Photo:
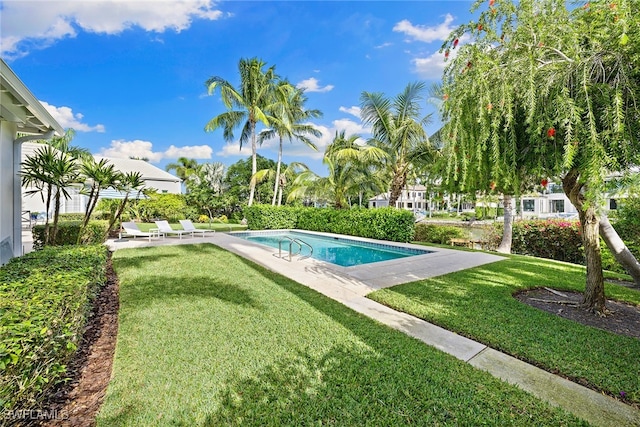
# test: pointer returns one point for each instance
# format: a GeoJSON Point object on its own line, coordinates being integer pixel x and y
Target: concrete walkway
{"type": "Point", "coordinates": [349, 285]}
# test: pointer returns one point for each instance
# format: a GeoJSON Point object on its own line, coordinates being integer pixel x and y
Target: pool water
{"type": "Point", "coordinates": [339, 251]}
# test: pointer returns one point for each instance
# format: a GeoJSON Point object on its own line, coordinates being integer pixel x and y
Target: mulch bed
{"type": "Point", "coordinates": [77, 403]}
{"type": "Point", "coordinates": [623, 319]}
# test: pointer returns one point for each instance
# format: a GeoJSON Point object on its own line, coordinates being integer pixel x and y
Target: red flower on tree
{"type": "Point", "coordinates": [446, 53]}
{"type": "Point", "coordinates": [544, 182]}
{"type": "Point", "coordinates": [480, 27]}
{"type": "Point", "coordinates": [445, 96]}
{"type": "Point", "coordinates": [492, 2]}
{"type": "Point", "coordinates": [492, 185]}
{"type": "Point", "coordinates": [551, 132]}
{"type": "Point", "coordinates": [455, 43]}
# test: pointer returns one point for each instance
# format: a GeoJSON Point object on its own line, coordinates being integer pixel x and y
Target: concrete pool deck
{"type": "Point", "coordinates": [350, 285]}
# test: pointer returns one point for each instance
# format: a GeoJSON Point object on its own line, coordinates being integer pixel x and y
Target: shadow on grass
{"type": "Point", "coordinates": [400, 384]}
{"type": "Point", "coordinates": [146, 290]}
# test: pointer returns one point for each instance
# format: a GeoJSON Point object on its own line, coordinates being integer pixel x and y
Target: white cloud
{"type": "Point", "coordinates": [311, 85]}
{"type": "Point", "coordinates": [233, 150]}
{"type": "Point", "coordinates": [423, 33]}
{"type": "Point", "coordinates": [144, 149]}
{"type": "Point", "coordinates": [38, 24]}
{"type": "Point", "coordinates": [432, 67]}
{"type": "Point", "coordinates": [189, 151]}
{"type": "Point", "coordinates": [353, 110]}
{"type": "Point", "coordinates": [67, 119]}
{"type": "Point", "coordinates": [383, 45]}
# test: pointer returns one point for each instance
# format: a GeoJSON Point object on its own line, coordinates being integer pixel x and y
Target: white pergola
{"type": "Point", "coordinates": [20, 112]}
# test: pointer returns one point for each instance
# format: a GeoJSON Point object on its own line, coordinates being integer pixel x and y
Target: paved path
{"type": "Point", "coordinates": [350, 285]}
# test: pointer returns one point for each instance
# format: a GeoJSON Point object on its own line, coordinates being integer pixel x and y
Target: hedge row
{"type": "Point", "coordinates": [67, 234]}
{"type": "Point", "coordinates": [45, 298]}
{"type": "Point", "coordinates": [381, 223]}
{"type": "Point", "coordinates": [551, 238]}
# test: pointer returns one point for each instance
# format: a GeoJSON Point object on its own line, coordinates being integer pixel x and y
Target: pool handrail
{"type": "Point", "coordinates": [297, 241]}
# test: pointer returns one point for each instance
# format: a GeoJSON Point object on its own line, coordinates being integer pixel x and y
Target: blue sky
{"type": "Point", "coordinates": [129, 76]}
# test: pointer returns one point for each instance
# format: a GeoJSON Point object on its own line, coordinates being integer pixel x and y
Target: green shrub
{"type": "Point", "coordinates": [68, 233]}
{"type": "Point", "coordinates": [171, 207]}
{"type": "Point", "coordinates": [381, 223]}
{"type": "Point", "coordinates": [432, 233]}
{"type": "Point", "coordinates": [71, 217]}
{"type": "Point", "coordinates": [551, 238]}
{"type": "Point", "coordinates": [45, 298]}
{"type": "Point", "coordinates": [482, 212]}
{"type": "Point", "coordinates": [267, 217]}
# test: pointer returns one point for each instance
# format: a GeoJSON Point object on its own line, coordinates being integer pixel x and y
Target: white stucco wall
{"type": "Point", "coordinates": [10, 241]}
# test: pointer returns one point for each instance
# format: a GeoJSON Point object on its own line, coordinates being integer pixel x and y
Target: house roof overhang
{"type": "Point", "coordinates": [18, 105]}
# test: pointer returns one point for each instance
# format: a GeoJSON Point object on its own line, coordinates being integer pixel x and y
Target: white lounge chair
{"type": "Point", "coordinates": [188, 226]}
{"type": "Point", "coordinates": [130, 229]}
{"type": "Point", "coordinates": [165, 229]}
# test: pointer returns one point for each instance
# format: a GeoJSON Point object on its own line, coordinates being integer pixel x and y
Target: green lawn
{"type": "Point", "coordinates": [478, 304]}
{"type": "Point", "coordinates": [207, 338]}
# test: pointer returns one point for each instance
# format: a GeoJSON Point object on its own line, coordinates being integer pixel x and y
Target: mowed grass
{"type": "Point", "coordinates": [478, 303]}
{"type": "Point", "coordinates": [207, 338]}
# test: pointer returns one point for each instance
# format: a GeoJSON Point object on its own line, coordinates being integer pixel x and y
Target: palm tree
{"type": "Point", "coordinates": [350, 167]}
{"type": "Point", "coordinates": [126, 183]}
{"type": "Point", "coordinates": [398, 130]}
{"type": "Point", "coordinates": [184, 167]}
{"type": "Point", "coordinates": [51, 172]}
{"type": "Point", "coordinates": [286, 115]}
{"type": "Point", "coordinates": [99, 175]}
{"type": "Point", "coordinates": [290, 173]}
{"type": "Point", "coordinates": [245, 105]}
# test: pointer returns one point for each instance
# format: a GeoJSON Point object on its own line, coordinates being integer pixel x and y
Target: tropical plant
{"type": "Point", "coordinates": [51, 171]}
{"type": "Point", "coordinates": [98, 175]}
{"type": "Point", "coordinates": [126, 183]}
{"type": "Point", "coordinates": [397, 130]}
{"type": "Point", "coordinates": [246, 105]}
{"type": "Point", "coordinates": [184, 168]}
{"type": "Point", "coordinates": [568, 79]}
{"type": "Point", "coordinates": [286, 115]}
{"type": "Point", "coordinates": [350, 172]}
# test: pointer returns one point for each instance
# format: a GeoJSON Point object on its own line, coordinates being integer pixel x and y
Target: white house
{"type": "Point", "coordinates": [153, 177]}
{"type": "Point", "coordinates": [20, 112]}
{"type": "Point", "coordinates": [551, 203]}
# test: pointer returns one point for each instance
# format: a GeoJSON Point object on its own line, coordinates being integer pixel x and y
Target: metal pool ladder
{"type": "Point", "coordinates": [298, 242]}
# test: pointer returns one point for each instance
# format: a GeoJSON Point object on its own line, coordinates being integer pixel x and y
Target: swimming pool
{"type": "Point", "coordinates": [336, 250]}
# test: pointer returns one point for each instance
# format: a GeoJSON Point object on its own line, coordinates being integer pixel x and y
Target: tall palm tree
{"type": "Point", "coordinates": [398, 130]}
{"type": "Point", "coordinates": [246, 105]}
{"type": "Point", "coordinates": [286, 115]}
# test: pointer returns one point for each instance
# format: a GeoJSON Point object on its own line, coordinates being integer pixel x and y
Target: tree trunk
{"type": "Point", "coordinates": [619, 249]}
{"type": "Point", "coordinates": [275, 185]}
{"type": "Point", "coordinates": [254, 164]}
{"type": "Point", "coordinates": [505, 244]}
{"type": "Point", "coordinates": [397, 185]}
{"type": "Point", "coordinates": [593, 299]}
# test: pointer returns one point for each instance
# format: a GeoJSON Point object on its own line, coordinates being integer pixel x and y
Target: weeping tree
{"type": "Point", "coordinates": [566, 76]}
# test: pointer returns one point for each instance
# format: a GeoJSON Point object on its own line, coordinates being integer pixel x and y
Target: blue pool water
{"type": "Point", "coordinates": [340, 251]}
